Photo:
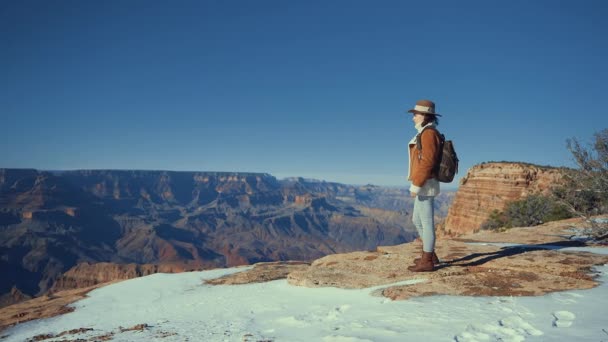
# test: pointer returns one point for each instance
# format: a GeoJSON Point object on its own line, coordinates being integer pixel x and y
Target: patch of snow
{"type": "Point", "coordinates": [563, 319]}
{"type": "Point", "coordinates": [179, 307]}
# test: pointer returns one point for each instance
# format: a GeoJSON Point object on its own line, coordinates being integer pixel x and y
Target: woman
{"type": "Point", "coordinates": [424, 151]}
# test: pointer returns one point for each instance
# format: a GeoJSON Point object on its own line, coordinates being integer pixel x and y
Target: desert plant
{"type": "Point", "coordinates": [529, 211]}
{"type": "Point", "coordinates": [496, 221]}
{"type": "Point", "coordinates": [585, 189]}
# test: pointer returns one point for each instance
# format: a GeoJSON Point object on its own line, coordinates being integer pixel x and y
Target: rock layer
{"type": "Point", "coordinates": [86, 274]}
{"type": "Point", "coordinates": [14, 296]}
{"type": "Point", "coordinates": [42, 307]}
{"type": "Point", "coordinates": [490, 186]}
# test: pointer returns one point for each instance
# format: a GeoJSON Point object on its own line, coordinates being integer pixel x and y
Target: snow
{"type": "Point", "coordinates": [179, 307]}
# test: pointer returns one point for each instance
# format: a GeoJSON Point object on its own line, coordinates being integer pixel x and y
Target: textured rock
{"type": "Point", "coordinates": [491, 186]}
{"type": "Point", "coordinates": [536, 267]}
{"type": "Point", "coordinates": [466, 269]}
{"type": "Point", "coordinates": [14, 296]}
{"type": "Point", "coordinates": [86, 274]}
{"type": "Point", "coordinates": [42, 307]}
{"type": "Point", "coordinates": [261, 272]}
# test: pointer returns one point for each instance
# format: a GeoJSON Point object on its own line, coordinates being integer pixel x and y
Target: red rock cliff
{"type": "Point", "coordinates": [491, 186]}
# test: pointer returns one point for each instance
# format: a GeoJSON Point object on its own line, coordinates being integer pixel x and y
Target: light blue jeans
{"type": "Point", "coordinates": [424, 220]}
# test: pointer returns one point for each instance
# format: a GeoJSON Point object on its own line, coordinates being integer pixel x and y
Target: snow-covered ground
{"type": "Point", "coordinates": [178, 307]}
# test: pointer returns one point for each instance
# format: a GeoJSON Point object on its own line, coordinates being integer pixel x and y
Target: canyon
{"type": "Point", "coordinates": [63, 234]}
{"type": "Point", "coordinates": [70, 229]}
{"type": "Point", "coordinates": [73, 229]}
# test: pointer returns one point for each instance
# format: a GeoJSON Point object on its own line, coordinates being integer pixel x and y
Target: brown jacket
{"type": "Point", "coordinates": [423, 161]}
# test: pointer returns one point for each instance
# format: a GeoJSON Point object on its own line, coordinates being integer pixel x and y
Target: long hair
{"type": "Point", "coordinates": [428, 118]}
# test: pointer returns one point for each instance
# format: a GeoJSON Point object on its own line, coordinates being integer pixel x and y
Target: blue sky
{"type": "Point", "coordinates": [296, 88]}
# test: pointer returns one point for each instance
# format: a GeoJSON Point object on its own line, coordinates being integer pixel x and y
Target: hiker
{"type": "Point", "coordinates": [424, 184]}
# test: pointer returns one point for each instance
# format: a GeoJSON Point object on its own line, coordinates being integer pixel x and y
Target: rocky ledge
{"type": "Point", "coordinates": [42, 307]}
{"type": "Point", "coordinates": [539, 263]}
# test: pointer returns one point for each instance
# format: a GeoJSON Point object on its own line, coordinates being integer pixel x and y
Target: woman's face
{"type": "Point", "coordinates": [418, 118]}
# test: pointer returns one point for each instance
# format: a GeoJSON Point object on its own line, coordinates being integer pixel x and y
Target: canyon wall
{"type": "Point", "coordinates": [103, 225]}
{"type": "Point", "coordinates": [491, 186]}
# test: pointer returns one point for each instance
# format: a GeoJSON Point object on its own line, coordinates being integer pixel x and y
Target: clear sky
{"type": "Point", "coordinates": [309, 88]}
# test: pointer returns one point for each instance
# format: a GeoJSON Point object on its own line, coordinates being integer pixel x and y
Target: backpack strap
{"type": "Point", "coordinates": [418, 137]}
{"type": "Point", "coordinates": [419, 145]}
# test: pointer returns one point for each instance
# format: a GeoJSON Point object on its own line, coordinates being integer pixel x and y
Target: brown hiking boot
{"type": "Point", "coordinates": [425, 264]}
{"type": "Point", "coordinates": [435, 259]}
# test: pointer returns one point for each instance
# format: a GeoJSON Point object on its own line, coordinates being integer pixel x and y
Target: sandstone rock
{"type": "Point", "coordinates": [466, 269]}
{"type": "Point", "coordinates": [561, 231]}
{"type": "Point", "coordinates": [12, 297]}
{"type": "Point", "coordinates": [42, 307]}
{"type": "Point", "coordinates": [491, 186]}
{"type": "Point", "coordinates": [384, 266]}
{"type": "Point", "coordinates": [86, 274]}
{"type": "Point", "coordinates": [261, 272]}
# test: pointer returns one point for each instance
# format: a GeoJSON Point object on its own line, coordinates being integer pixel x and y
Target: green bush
{"type": "Point", "coordinates": [530, 211]}
{"type": "Point", "coordinates": [496, 221]}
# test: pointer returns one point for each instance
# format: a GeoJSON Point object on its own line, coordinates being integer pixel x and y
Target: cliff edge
{"type": "Point", "coordinates": [490, 186]}
{"type": "Point", "coordinates": [528, 261]}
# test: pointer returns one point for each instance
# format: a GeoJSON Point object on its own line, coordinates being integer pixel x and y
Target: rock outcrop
{"type": "Point", "coordinates": [491, 186]}
{"type": "Point", "coordinates": [469, 266]}
{"type": "Point", "coordinates": [86, 274]}
{"type": "Point", "coordinates": [14, 296]}
{"type": "Point", "coordinates": [42, 307]}
{"type": "Point", "coordinates": [261, 272]}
